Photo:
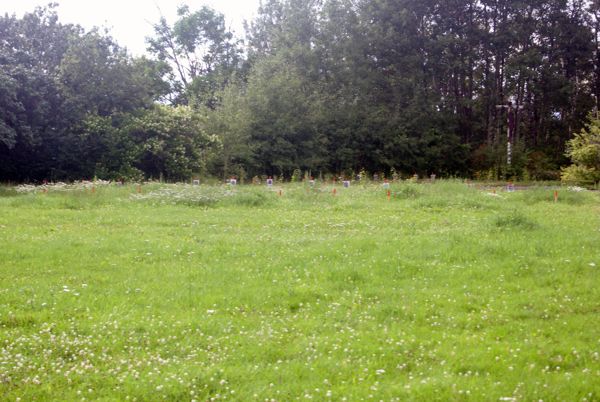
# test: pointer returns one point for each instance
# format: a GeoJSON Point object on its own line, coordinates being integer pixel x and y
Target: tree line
{"type": "Point", "coordinates": [323, 86]}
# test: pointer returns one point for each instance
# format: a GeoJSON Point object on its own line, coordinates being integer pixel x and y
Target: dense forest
{"type": "Point", "coordinates": [322, 86]}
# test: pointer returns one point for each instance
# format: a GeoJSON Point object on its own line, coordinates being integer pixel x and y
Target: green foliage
{"type": "Point", "coordinates": [63, 96]}
{"type": "Point", "coordinates": [11, 107]}
{"type": "Point", "coordinates": [540, 167]}
{"type": "Point", "coordinates": [33, 118]}
{"type": "Point", "coordinates": [584, 151]}
{"type": "Point", "coordinates": [97, 77]}
{"type": "Point", "coordinates": [229, 123]}
{"type": "Point", "coordinates": [328, 86]}
{"type": "Point", "coordinates": [390, 92]}
{"type": "Point", "coordinates": [281, 121]}
{"type": "Point", "coordinates": [110, 151]}
{"type": "Point", "coordinates": [172, 142]}
{"type": "Point", "coordinates": [161, 142]}
{"type": "Point", "coordinates": [203, 55]}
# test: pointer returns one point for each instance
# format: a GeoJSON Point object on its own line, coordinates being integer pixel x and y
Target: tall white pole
{"type": "Point", "coordinates": [508, 146]}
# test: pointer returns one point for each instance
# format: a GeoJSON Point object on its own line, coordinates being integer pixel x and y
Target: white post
{"type": "Point", "coordinates": [508, 151]}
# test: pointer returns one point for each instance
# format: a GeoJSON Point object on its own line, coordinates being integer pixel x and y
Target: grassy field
{"type": "Point", "coordinates": [443, 292]}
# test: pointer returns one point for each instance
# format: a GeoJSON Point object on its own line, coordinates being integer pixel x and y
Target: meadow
{"type": "Point", "coordinates": [444, 291]}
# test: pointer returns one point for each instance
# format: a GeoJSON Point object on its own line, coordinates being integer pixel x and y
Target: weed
{"type": "Point", "coordinates": [515, 220]}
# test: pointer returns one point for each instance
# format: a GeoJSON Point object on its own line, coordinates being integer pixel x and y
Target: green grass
{"type": "Point", "coordinates": [443, 292]}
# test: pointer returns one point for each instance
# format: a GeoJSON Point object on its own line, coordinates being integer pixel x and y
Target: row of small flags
{"type": "Point", "coordinates": [346, 184]}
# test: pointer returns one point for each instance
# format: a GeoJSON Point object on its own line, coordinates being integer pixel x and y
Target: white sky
{"type": "Point", "coordinates": [129, 20]}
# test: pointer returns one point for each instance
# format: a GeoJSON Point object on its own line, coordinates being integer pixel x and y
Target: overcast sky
{"type": "Point", "coordinates": [129, 20]}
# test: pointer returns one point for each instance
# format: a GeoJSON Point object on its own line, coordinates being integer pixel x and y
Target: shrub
{"type": "Point", "coordinates": [584, 151]}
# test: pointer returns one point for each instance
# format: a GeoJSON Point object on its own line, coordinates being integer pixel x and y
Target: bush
{"type": "Point", "coordinates": [540, 167]}
{"type": "Point", "coordinates": [584, 151]}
